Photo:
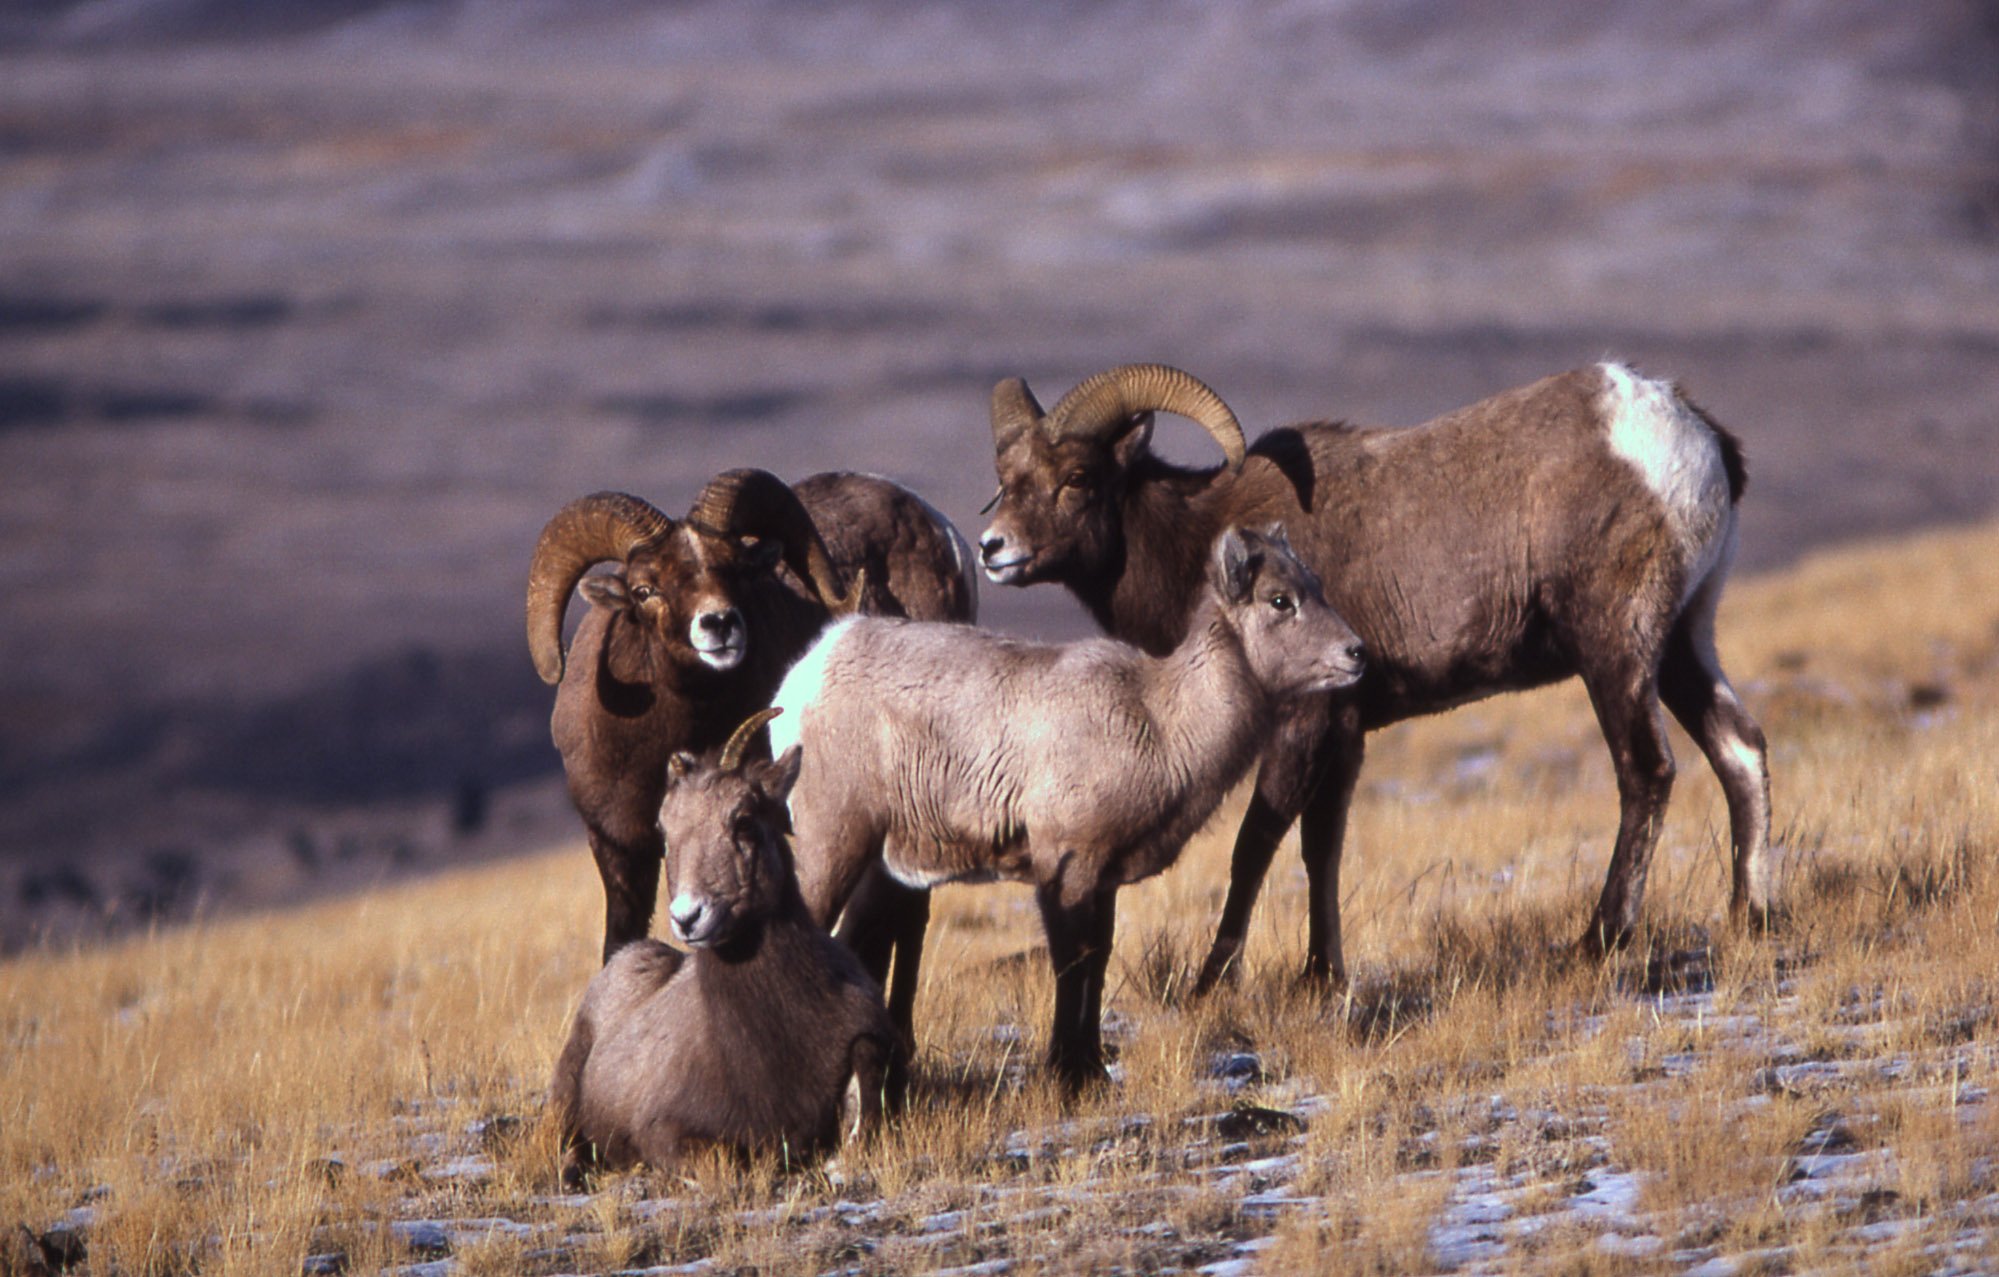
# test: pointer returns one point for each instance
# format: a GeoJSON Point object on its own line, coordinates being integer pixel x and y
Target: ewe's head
{"type": "Point", "coordinates": [728, 858]}
{"type": "Point", "coordinates": [686, 584]}
{"type": "Point", "coordinates": [1062, 473]}
{"type": "Point", "coordinates": [1293, 638]}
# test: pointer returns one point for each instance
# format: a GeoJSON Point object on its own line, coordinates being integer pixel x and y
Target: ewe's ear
{"type": "Point", "coordinates": [1233, 566]}
{"type": "Point", "coordinates": [777, 778]}
{"type": "Point", "coordinates": [1131, 445]}
{"type": "Point", "coordinates": [679, 767]}
{"type": "Point", "coordinates": [607, 590]}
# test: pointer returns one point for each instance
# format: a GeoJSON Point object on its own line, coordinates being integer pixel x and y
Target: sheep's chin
{"type": "Point", "coordinates": [1011, 572]}
{"type": "Point", "coordinates": [722, 658]}
{"type": "Point", "coordinates": [1333, 680]}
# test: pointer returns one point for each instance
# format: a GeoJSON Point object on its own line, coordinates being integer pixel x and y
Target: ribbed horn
{"type": "Point", "coordinates": [758, 503]}
{"type": "Point", "coordinates": [1015, 412]}
{"type": "Point", "coordinates": [589, 530]}
{"type": "Point", "coordinates": [1108, 399]}
{"type": "Point", "coordinates": [739, 740]}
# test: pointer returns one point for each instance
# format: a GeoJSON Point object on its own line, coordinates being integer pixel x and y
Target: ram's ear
{"type": "Point", "coordinates": [1131, 445]}
{"type": "Point", "coordinates": [606, 590]}
{"type": "Point", "coordinates": [777, 777]}
{"type": "Point", "coordinates": [1232, 567]}
{"type": "Point", "coordinates": [761, 553]}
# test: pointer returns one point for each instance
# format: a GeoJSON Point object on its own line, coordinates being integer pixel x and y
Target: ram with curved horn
{"type": "Point", "coordinates": [690, 632]}
{"type": "Point", "coordinates": [1579, 526]}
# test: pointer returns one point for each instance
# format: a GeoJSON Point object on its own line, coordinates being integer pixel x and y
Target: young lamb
{"type": "Point", "coordinates": [957, 754]}
{"type": "Point", "coordinates": [754, 1037]}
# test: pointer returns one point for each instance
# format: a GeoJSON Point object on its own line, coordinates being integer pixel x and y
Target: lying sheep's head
{"type": "Point", "coordinates": [1294, 640]}
{"type": "Point", "coordinates": [728, 854]}
{"type": "Point", "coordinates": [1062, 473]}
{"type": "Point", "coordinates": [684, 583]}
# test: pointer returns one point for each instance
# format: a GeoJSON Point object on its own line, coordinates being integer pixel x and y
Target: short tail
{"type": "Point", "coordinates": [1731, 448]}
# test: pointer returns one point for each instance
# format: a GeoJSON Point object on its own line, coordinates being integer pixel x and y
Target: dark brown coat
{"type": "Point", "coordinates": [1582, 525]}
{"type": "Point", "coordinates": [691, 632]}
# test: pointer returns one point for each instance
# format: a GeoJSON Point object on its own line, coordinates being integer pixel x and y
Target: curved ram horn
{"type": "Point", "coordinates": [739, 740]}
{"type": "Point", "coordinates": [589, 530]}
{"type": "Point", "coordinates": [758, 503]}
{"type": "Point", "coordinates": [1015, 412]}
{"type": "Point", "coordinates": [1106, 401]}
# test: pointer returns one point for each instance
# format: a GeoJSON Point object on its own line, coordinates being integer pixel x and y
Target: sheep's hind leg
{"type": "Point", "coordinates": [884, 924]}
{"type": "Point", "coordinates": [1698, 693]}
{"type": "Point", "coordinates": [1626, 700]}
{"type": "Point", "coordinates": [1080, 926]}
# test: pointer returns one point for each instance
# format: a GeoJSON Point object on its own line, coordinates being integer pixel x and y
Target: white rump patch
{"type": "Point", "coordinates": [802, 684]}
{"type": "Point", "coordinates": [1676, 456]}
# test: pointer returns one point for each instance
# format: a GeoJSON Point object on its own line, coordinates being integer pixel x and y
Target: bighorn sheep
{"type": "Point", "coordinates": [691, 634]}
{"type": "Point", "coordinates": [752, 1039]}
{"type": "Point", "coordinates": [972, 756]}
{"type": "Point", "coordinates": [1580, 525]}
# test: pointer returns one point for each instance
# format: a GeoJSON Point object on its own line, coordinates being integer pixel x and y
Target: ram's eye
{"type": "Point", "coordinates": [1283, 603]}
{"type": "Point", "coordinates": [1075, 479]}
{"type": "Point", "coordinates": [641, 593]}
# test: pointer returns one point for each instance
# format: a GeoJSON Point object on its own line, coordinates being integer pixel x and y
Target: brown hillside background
{"type": "Point", "coordinates": [311, 314]}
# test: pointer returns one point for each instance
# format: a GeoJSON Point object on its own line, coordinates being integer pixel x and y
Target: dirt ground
{"type": "Point", "coordinates": [310, 315]}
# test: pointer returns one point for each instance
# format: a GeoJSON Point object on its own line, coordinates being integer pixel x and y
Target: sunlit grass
{"type": "Point", "coordinates": [240, 1094]}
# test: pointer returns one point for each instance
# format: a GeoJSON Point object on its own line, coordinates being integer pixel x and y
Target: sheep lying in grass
{"type": "Point", "coordinates": [957, 754]}
{"type": "Point", "coordinates": [753, 1039]}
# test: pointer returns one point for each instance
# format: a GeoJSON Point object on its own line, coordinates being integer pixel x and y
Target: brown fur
{"type": "Point", "coordinates": [1502, 546]}
{"type": "Point", "coordinates": [751, 1040]}
{"type": "Point", "coordinates": [634, 691]}
{"type": "Point", "coordinates": [964, 755]}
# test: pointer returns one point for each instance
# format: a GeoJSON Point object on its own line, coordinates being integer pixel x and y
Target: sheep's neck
{"type": "Point", "coordinates": [1208, 707]}
{"type": "Point", "coordinates": [1147, 594]}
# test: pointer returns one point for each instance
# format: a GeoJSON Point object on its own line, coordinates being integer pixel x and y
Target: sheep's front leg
{"type": "Point", "coordinates": [1079, 921]}
{"type": "Point", "coordinates": [1285, 778]}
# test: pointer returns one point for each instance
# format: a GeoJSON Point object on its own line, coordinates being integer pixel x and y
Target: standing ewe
{"type": "Point", "coordinates": [751, 1039]}
{"type": "Point", "coordinates": [962, 755]}
{"type": "Point", "coordinates": [1582, 525]}
{"type": "Point", "coordinates": [693, 631]}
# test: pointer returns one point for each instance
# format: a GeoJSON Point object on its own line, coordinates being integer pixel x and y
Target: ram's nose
{"type": "Point", "coordinates": [1002, 561]}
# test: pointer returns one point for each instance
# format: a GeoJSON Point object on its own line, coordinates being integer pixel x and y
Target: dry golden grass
{"type": "Point", "coordinates": [364, 1078]}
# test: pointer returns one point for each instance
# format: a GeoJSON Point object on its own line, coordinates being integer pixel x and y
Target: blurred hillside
{"type": "Point", "coordinates": [311, 313]}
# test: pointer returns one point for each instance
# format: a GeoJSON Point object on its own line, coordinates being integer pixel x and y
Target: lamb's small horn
{"type": "Point", "coordinates": [739, 740]}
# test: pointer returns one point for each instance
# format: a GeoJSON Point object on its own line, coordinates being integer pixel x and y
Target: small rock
{"type": "Point", "coordinates": [64, 1247]}
{"type": "Point", "coordinates": [21, 1254]}
{"type": "Point", "coordinates": [327, 1170]}
{"type": "Point", "coordinates": [1247, 1121]}
{"type": "Point", "coordinates": [331, 1264]}
{"type": "Point", "coordinates": [498, 1131]}
{"type": "Point", "coordinates": [1238, 1068]}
